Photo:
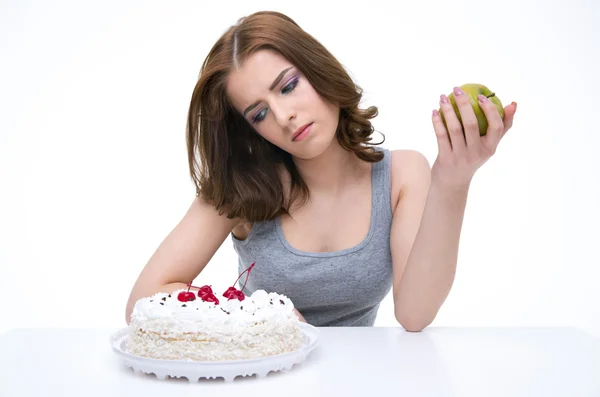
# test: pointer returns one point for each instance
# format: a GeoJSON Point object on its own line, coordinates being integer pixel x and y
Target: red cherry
{"type": "Point", "coordinates": [239, 296]}
{"type": "Point", "coordinates": [210, 298]}
{"type": "Point", "coordinates": [204, 290]}
{"type": "Point", "coordinates": [231, 291]}
{"type": "Point", "coordinates": [234, 293]}
{"type": "Point", "coordinates": [186, 296]}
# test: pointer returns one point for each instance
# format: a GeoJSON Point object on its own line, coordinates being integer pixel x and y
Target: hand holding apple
{"type": "Point", "coordinates": [472, 91]}
{"type": "Point", "coordinates": [468, 125]}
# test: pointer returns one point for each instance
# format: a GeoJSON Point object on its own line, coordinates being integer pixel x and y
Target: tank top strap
{"type": "Point", "coordinates": [381, 183]}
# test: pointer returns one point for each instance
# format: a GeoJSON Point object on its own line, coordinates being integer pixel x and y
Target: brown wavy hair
{"type": "Point", "coordinates": [232, 166]}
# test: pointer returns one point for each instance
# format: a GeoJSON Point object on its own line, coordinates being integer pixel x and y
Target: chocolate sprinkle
{"type": "Point", "coordinates": [184, 305]}
{"type": "Point", "coordinates": [164, 299]}
{"type": "Point", "coordinates": [161, 303]}
{"type": "Point", "coordinates": [281, 301]}
{"type": "Point", "coordinates": [225, 310]}
{"type": "Point", "coordinates": [169, 295]}
{"type": "Point", "coordinates": [151, 300]}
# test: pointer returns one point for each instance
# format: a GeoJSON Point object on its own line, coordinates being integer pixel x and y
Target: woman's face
{"type": "Point", "coordinates": [279, 102]}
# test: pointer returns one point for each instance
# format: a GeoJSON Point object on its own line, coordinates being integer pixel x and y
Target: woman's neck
{"type": "Point", "coordinates": [331, 171]}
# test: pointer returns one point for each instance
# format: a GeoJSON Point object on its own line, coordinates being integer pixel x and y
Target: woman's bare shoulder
{"type": "Point", "coordinates": [408, 166]}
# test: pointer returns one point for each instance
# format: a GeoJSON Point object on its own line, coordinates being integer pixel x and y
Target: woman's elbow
{"type": "Point", "coordinates": [411, 323]}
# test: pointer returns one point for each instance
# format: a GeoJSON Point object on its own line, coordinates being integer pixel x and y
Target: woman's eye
{"type": "Point", "coordinates": [290, 87]}
{"type": "Point", "coordinates": [260, 116]}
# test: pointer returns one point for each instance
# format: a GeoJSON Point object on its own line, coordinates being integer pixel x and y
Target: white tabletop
{"type": "Point", "coordinates": [369, 362]}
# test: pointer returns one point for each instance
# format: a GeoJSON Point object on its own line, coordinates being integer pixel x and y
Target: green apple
{"type": "Point", "coordinates": [471, 91]}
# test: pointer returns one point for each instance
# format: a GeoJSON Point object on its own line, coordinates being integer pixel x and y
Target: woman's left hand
{"type": "Point", "coordinates": [461, 154]}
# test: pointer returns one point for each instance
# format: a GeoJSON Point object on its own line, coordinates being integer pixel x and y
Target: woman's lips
{"type": "Point", "coordinates": [302, 132]}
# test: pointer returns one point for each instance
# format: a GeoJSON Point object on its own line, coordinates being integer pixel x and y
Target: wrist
{"type": "Point", "coordinates": [451, 188]}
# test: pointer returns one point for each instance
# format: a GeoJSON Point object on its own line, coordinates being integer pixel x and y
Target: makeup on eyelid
{"type": "Point", "coordinates": [292, 82]}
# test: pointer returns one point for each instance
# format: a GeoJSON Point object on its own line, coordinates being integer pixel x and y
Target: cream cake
{"type": "Point", "coordinates": [201, 326]}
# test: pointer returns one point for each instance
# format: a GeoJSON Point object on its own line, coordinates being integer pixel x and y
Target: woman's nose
{"type": "Point", "coordinates": [284, 115]}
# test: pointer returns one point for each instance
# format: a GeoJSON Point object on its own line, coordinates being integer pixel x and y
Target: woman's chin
{"type": "Point", "coordinates": [312, 149]}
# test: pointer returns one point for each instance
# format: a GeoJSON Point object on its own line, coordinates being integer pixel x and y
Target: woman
{"type": "Point", "coordinates": [281, 157]}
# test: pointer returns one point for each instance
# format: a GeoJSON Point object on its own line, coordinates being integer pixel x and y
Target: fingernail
{"type": "Point", "coordinates": [482, 98]}
{"type": "Point", "coordinates": [458, 91]}
{"type": "Point", "coordinates": [443, 98]}
{"type": "Point", "coordinates": [435, 112]}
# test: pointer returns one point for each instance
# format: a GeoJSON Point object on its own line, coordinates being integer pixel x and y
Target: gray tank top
{"type": "Point", "coordinates": [341, 288]}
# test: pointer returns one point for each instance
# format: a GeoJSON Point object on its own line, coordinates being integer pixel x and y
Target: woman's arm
{"type": "Point", "coordinates": [183, 254]}
{"type": "Point", "coordinates": [428, 274]}
{"type": "Point", "coordinates": [428, 218]}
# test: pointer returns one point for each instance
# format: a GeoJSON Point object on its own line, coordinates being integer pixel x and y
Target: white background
{"type": "Point", "coordinates": [93, 167]}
